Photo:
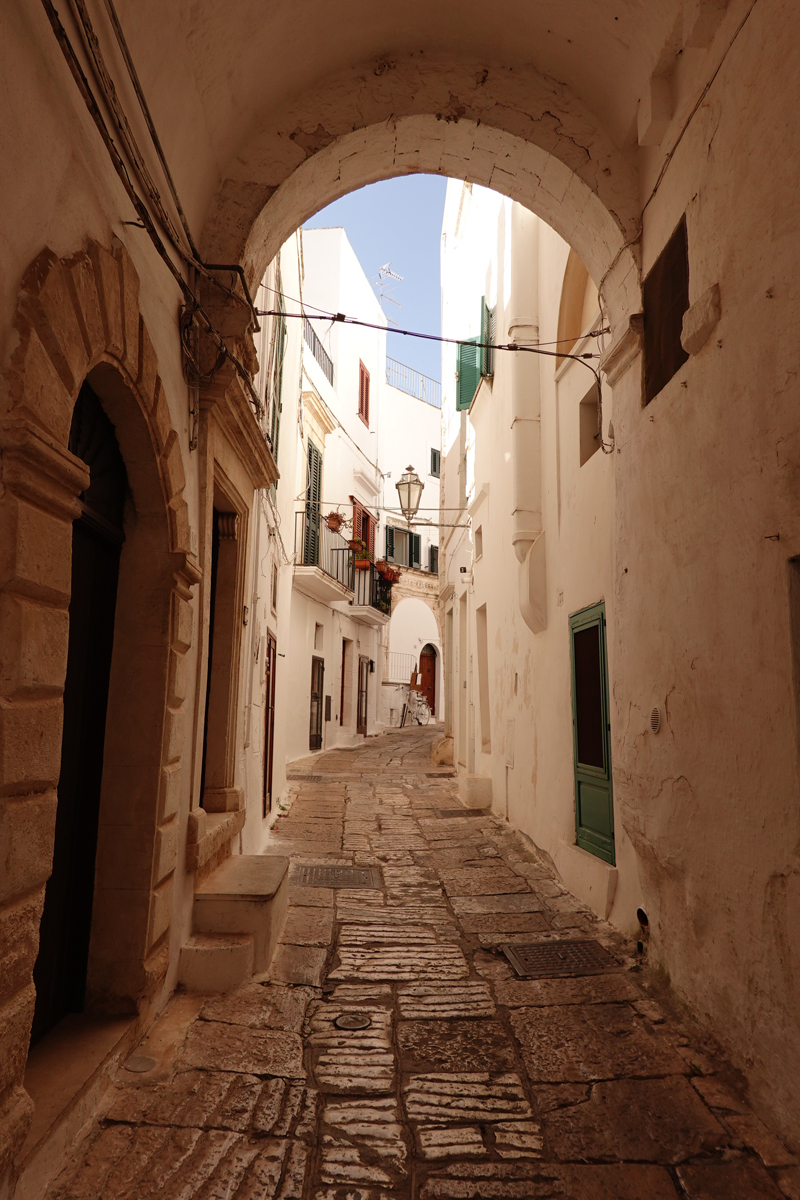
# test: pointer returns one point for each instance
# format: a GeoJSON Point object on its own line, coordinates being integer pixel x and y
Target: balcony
{"type": "Point", "coordinates": [372, 602]}
{"type": "Point", "coordinates": [323, 560]}
{"type": "Point", "coordinates": [413, 383]}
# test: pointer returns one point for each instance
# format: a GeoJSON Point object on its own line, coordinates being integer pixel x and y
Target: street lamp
{"type": "Point", "coordinates": [409, 489]}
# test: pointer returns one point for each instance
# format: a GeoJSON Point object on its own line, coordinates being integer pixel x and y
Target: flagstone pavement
{"type": "Point", "coordinates": [466, 1082]}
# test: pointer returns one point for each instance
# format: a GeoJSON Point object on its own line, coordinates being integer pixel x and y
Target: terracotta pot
{"type": "Point", "coordinates": [363, 564]}
{"type": "Point", "coordinates": [335, 522]}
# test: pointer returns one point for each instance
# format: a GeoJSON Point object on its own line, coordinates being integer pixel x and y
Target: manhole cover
{"type": "Point", "coordinates": [337, 877]}
{"type": "Point", "coordinates": [352, 1021]}
{"type": "Point", "coordinates": [543, 960]}
{"type": "Point", "coordinates": [462, 812]}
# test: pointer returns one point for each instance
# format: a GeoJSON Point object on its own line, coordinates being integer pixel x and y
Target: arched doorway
{"type": "Point", "coordinates": [97, 536]}
{"type": "Point", "coordinates": [427, 670]}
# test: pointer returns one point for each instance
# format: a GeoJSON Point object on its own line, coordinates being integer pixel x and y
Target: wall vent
{"type": "Point", "coordinates": [655, 720]}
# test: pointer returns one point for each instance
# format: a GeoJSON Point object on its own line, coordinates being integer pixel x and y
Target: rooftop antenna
{"type": "Point", "coordinates": [384, 290]}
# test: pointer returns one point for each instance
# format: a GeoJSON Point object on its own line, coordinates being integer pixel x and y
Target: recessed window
{"type": "Point", "coordinates": [318, 635]}
{"type": "Point", "coordinates": [363, 393]}
{"type": "Point", "coordinates": [433, 552]}
{"type": "Point", "coordinates": [479, 542]}
{"type": "Point", "coordinates": [589, 411]}
{"type": "Point", "coordinates": [666, 299]}
{"type": "Point", "coordinates": [274, 589]}
{"type": "Point", "coordinates": [436, 463]}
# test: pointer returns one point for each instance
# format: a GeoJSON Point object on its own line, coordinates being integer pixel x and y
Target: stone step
{"type": "Point", "coordinates": [246, 894]}
{"type": "Point", "coordinates": [215, 962]}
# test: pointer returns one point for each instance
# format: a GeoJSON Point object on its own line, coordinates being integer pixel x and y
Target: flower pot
{"type": "Point", "coordinates": [363, 564]}
{"type": "Point", "coordinates": [335, 521]}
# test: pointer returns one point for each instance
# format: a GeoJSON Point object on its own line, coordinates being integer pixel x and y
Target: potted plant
{"type": "Point", "coordinates": [391, 575]}
{"type": "Point", "coordinates": [335, 521]}
{"type": "Point", "coordinates": [382, 566]}
{"type": "Point", "coordinates": [361, 553]}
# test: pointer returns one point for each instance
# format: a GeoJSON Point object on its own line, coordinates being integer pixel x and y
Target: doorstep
{"type": "Point", "coordinates": [67, 1075]}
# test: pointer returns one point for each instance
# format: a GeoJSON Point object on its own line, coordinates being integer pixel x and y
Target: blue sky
{"type": "Point", "coordinates": [399, 221]}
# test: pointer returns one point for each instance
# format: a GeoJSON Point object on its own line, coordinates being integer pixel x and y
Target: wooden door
{"type": "Point", "coordinates": [269, 720]}
{"type": "Point", "coordinates": [62, 962]}
{"type": "Point", "coordinates": [363, 690]}
{"type": "Point", "coordinates": [315, 717]}
{"type": "Point", "coordinates": [427, 670]}
{"type": "Point", "coordinates": [594, 809]}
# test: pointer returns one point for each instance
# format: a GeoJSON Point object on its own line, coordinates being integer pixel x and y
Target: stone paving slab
{"type": "Point", "coordinates": [466, 1082]}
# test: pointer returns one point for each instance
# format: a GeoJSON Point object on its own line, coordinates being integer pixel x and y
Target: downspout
{"type": "Point", "coordinates": [527, 534]}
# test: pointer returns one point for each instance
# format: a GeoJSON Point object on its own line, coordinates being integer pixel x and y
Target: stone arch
{"type": "Point", "coordinates": [513, 130]}
{"type": "Point", "coordinates": [78, 319]}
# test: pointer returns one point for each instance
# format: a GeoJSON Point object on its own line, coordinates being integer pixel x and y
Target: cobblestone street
{"type": "Point", "coordinates": [466, 1081]}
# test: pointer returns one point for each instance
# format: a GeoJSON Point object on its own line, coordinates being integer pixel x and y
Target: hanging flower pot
{"type": "Point", "coordinates": [363, 564]}
{"type": "Point", "coordinates": [358, 546]}
{"type": "Point", "coordinates": [335, 521]}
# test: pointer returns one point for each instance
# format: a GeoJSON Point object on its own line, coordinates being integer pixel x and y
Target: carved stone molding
{"type": "Point", "coordinates": [624, 351]}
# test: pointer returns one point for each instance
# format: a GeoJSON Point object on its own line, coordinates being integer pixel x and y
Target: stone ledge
{"type": "Point", "coordinates": [587, 877]}
{"type": "Point", "coordinates": [207, 834]}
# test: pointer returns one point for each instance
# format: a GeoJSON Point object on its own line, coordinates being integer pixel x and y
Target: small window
{"type": "Point", "coordinates": [487, 337]}
{"type": "Point", "coordinates": [468, 373]}
{"type": "Point", "coordinates": [666, 299]}
{"type": "Point", "coordinates": [433, 551]}
{"type": "Point", "coordinates": [274, 590]}
{"type": "Point", "coordinates": [589, 410]}
{"type": "Point", "coordinates": [436, 463]}
{"type": "Point", "coordinates": [479, 542]}
{"type": "Point", "coordinates": [318, 636]}
{"type": "Point", "coordinates": [363, 393]}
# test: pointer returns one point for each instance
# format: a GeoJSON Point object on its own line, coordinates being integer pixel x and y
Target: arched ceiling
{"type": "Point", "coordinates": [246, 93]}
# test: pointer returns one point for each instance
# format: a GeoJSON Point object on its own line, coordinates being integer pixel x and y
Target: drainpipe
{"type": "Point", "coordinates": [527, 534]}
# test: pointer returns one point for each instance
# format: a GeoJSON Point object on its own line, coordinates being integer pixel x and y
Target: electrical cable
{"type": "Point", "coordinates": [194, 306]}
{"type": "Point", "coordinates": [513, 347]}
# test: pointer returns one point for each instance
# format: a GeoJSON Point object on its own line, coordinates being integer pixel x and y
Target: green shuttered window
{"type": "Point", "coordinates": [468, 374]}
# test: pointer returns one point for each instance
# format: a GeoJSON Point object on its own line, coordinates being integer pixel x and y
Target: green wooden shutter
{"type": "Point", "coordinates": [436, 463]}
{"type": "Point", "coordinates": [434, 559]}
{"type": "Point", "coordinates": [389, 543]}
{"type": "Point", "coordinates": [313, 502]}
{"type": "Point", "coordinates": [468, 375]}
{"type": "Point", "coordinates": [414, 549]}
{"type": "Point", "coordinates": [487, 334]}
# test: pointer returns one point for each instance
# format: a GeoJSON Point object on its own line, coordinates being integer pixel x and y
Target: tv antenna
{"type": "Point", "coordinates": [384, 289]}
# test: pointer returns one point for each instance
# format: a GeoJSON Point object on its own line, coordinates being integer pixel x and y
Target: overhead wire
{"type": "Point", "coordinates": [510, 347]}
{"type": "Point", "coordinates": [145, 220]}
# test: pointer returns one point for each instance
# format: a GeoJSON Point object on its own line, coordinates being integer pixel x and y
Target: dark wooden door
{"type": "Point", "coordinates": [594, 809]}
{"type": "Point", "coordinates": [65, 930]}
{"type": "Point", "coordinates": [269, 720]}
{"type": "Point", "coordinates": [427, 670]}
{"type": "Point", "coordinates": [344, 672]}
{"type": "Point", "coordinates": [315, 721]}
{"type": "Point", "coordinates": [363, 691]}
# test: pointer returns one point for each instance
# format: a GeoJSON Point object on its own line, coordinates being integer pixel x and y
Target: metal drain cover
{"type": "Point", "coordinates": [304, 778]}
{"type": "Point", "coordinates": [462, 812]}
{"type": "Point", "coordinates": [440, 774]}
{"type": "Point", "coordinates": [337, 877]}
{"type": "Point", "coordinates": [549, 960]}
{"type": "Point", "coordinates": [353, 1021]}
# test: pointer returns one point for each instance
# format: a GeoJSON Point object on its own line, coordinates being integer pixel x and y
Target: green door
{"type": "Point", "coordinates": [594, 808]}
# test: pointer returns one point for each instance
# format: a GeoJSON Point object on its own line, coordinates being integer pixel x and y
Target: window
{"type": "Point", "coordinates": [487, 335]}
{"type": "Point", "coordinates": [589, 411]}
{"type": "Point", "coordinates": [433, 553]}
{"type": "Point", "coordinates": [403, 547]}
{"type": "Point", "coordinates": [274, 590]}
{"type": "Point", "coordinates": [468, 374]}
{"type": "Point", "coordinates": [363, 393]}
{"type": "Point", "coordinates": [363, 526]}
{"type": "Point", "coordinates": [436, 463]}
{"type": "Point", "coordinates": [666, 299]}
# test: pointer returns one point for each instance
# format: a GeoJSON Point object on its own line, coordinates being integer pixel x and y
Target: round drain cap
{"type": "Point", "coordinates": [140, 1063]}
{"type": "Point", "coordinates": [352, 1021]}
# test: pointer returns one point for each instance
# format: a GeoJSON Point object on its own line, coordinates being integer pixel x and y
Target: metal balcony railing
{"type": "Point", "coordinates": [372, 590]}
{"type": "Point", "coordinates": [316, 545]}
{"type": "Point", "coordinates": [413, 383]}
{"type": "Point", "coordinates": [398, 668]}
{"type": "Point", "coordinates": [318, 350]}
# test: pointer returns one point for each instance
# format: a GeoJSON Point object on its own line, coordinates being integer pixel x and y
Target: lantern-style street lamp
{"type": "Point", "coordinates": [409, 489]}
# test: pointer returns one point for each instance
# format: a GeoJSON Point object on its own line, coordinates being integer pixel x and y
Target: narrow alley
{"type": "Point", "coordinates": [394, 1053]}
